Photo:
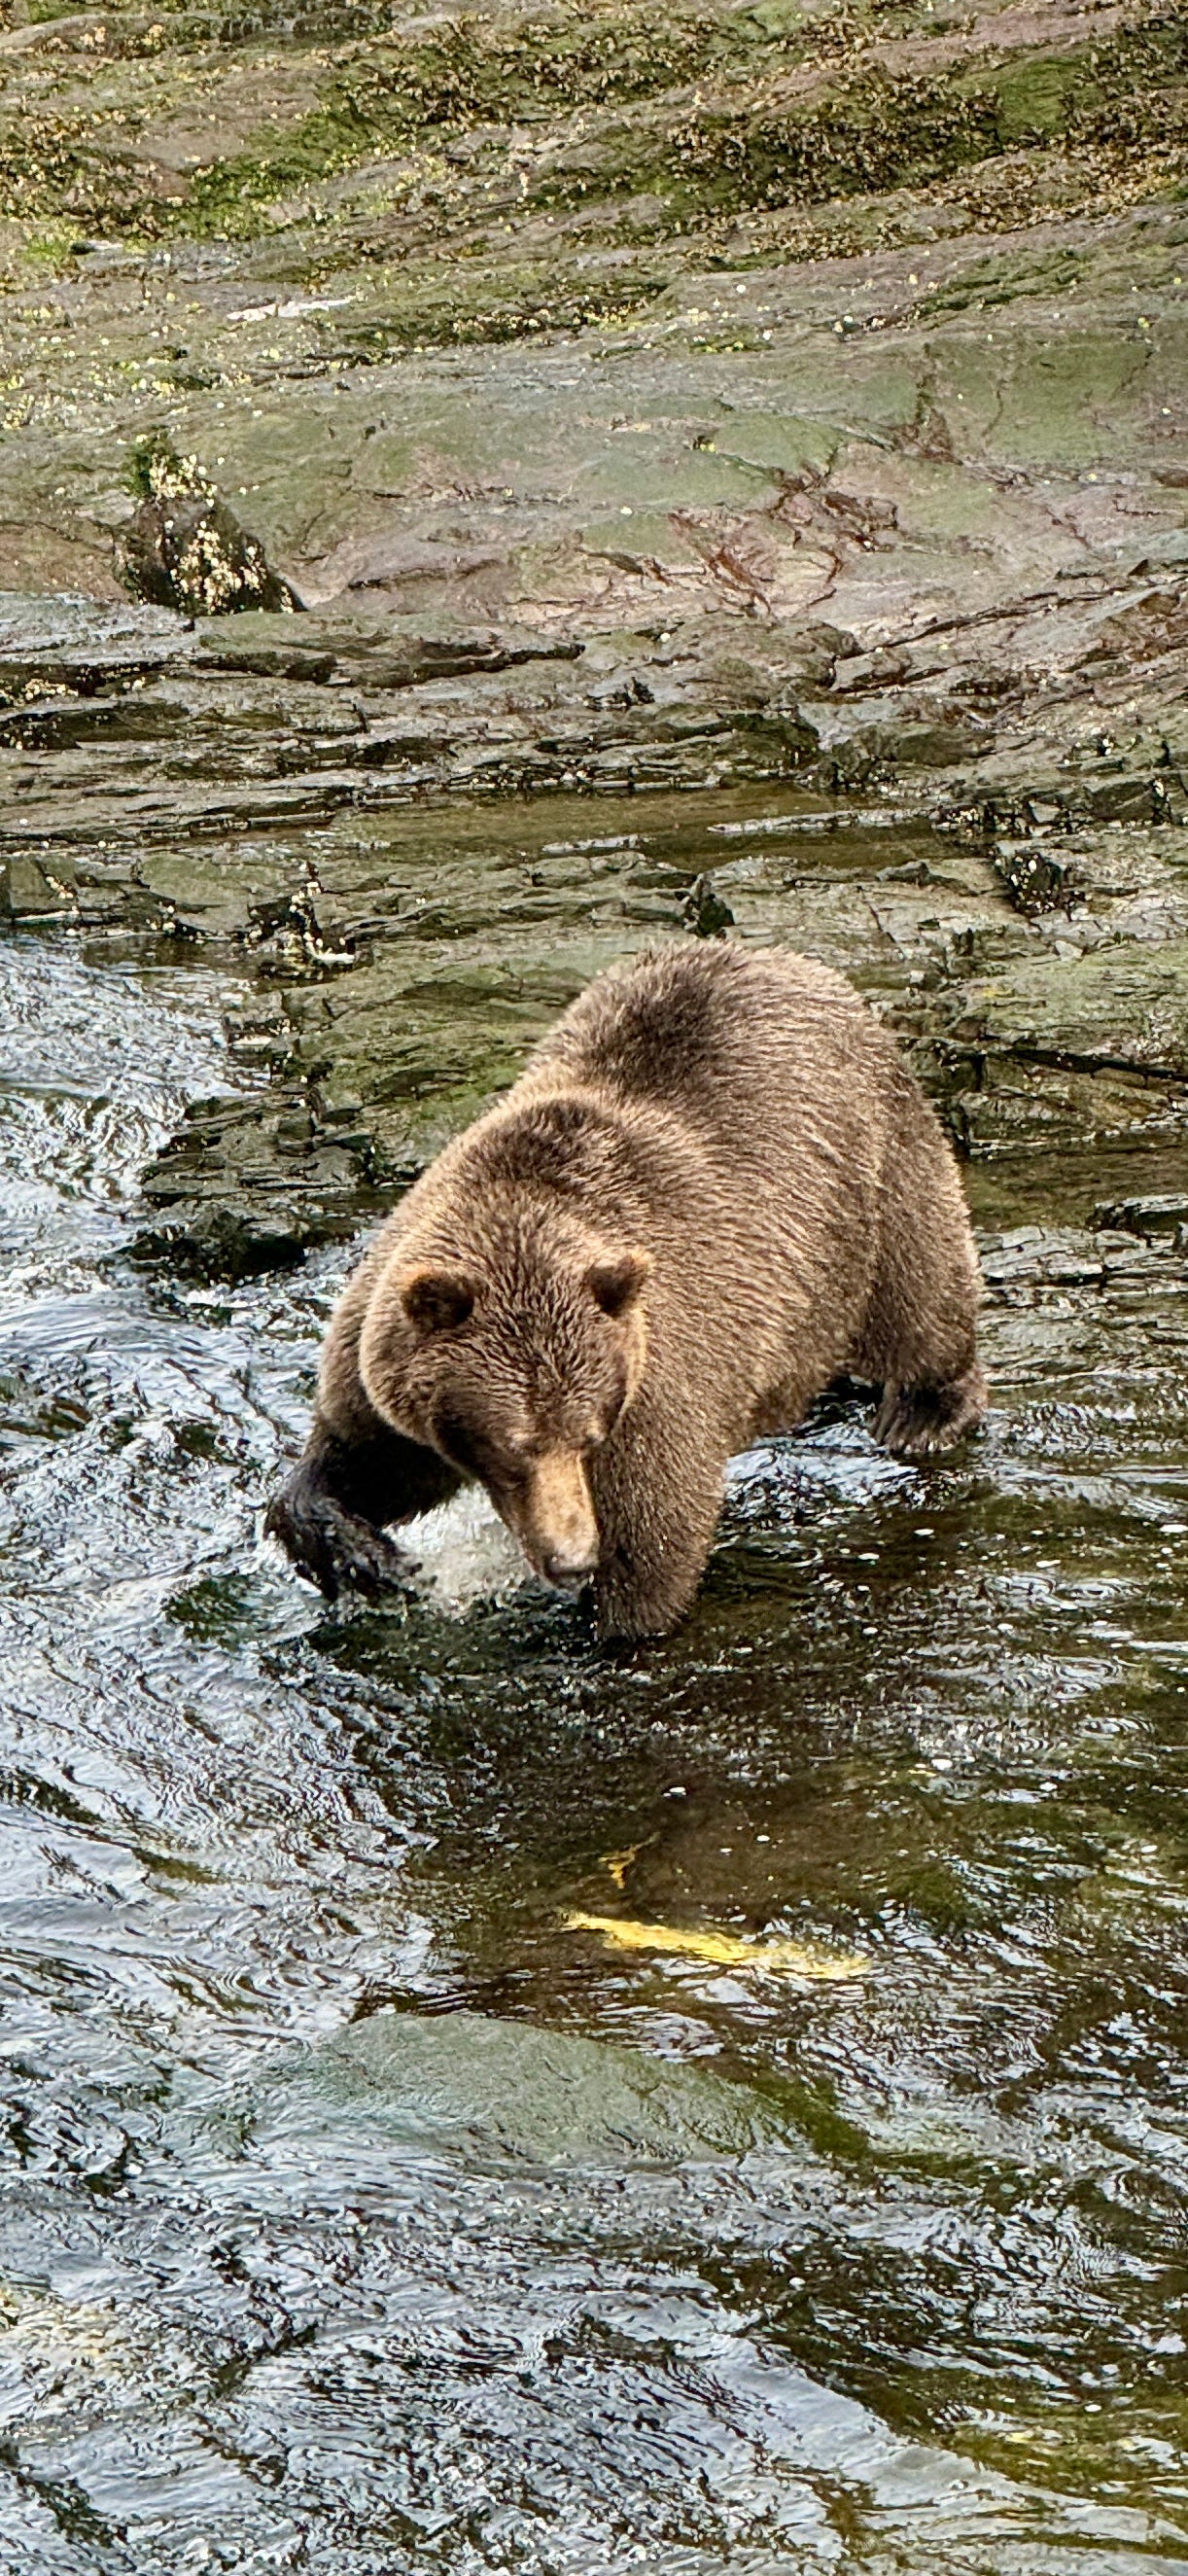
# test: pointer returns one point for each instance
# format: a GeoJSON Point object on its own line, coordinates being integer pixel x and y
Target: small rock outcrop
{"type": "Point", "coordinates": [185, 548]}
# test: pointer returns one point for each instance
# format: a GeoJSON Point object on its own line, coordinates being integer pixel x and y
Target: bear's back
{"type": "Point", "coordinates": [708, 1030]}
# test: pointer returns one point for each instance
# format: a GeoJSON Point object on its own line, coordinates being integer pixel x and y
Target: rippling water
{"type": "Point", "coordinates": [359, 2216]}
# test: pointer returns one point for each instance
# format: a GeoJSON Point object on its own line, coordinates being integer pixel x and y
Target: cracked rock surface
{"type": "Point", "coordinates": [762, 460]}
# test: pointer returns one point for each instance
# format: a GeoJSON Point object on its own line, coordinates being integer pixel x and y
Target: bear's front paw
{"type": "Point", "coordinates": [334, 1548]}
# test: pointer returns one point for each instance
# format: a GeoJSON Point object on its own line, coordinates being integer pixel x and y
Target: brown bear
{"type": "Point", "coordinates": [715, 1188]}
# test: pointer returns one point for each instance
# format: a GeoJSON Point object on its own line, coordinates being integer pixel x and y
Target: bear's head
{"type": "Point", "coordinates": [514, 1357]}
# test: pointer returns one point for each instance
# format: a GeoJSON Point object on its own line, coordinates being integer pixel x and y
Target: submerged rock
{"type": "Point", "coordinates": [546, 2097]}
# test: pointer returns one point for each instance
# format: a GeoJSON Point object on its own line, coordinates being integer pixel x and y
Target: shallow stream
{"type": "Point", "coordinates": [362, 2216]}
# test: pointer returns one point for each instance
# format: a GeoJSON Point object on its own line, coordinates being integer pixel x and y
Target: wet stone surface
{"type": "Point", "coordinates": [411, 852]}
{"type": "Point", "coordinates": [733, 489]}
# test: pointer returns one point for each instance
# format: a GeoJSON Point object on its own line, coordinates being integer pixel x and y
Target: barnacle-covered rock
{"type": "Point", "coordinates": [185, 548]}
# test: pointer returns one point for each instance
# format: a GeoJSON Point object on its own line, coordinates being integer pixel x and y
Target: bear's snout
{"type": "Point", "coordinates": [558, 1530]}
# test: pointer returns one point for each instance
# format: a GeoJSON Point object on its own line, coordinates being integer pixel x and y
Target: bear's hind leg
{"type": "Point", "coordinates": [918, 1340]}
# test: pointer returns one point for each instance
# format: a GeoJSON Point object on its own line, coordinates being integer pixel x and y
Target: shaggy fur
{"type": "Point", "coordinates": [715, 1188]}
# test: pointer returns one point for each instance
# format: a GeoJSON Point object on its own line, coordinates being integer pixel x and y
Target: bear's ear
{"type": "Point", "coordinates": [615, 1281]}
{"type": "Point", "coordinates": [434, 1299]}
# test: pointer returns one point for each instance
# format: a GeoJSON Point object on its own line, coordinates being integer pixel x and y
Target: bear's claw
{"type": "Point", "coordinates": [335, 1549]}
{"type": "Point", "coordinates": [923, 1421]}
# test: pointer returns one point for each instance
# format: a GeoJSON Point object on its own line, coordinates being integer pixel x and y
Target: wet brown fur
{"type": "Point", "coordinates": [715, 1188]}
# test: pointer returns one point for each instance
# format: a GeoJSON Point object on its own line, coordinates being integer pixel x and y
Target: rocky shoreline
{"type": "Point", "coordinates": [830, 544]}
